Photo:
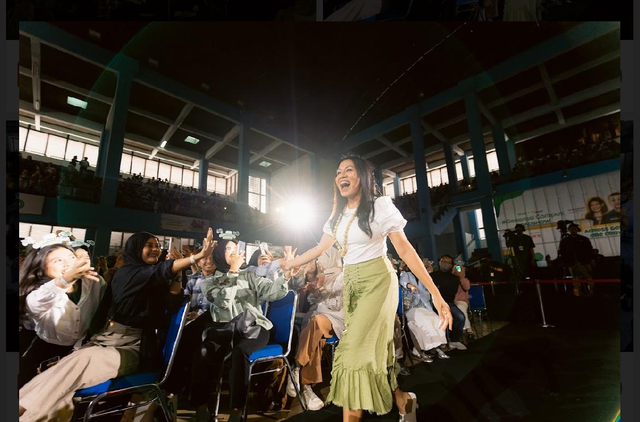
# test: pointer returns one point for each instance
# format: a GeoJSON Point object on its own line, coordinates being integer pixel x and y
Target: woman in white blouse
{"type": "Point", "coordinates": [364, 368]}
{"type": "Point", "coordinates": [59, 296]}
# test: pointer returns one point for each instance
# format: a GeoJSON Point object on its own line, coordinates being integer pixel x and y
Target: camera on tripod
{"type": "Point", "coordinates": [563, 225]}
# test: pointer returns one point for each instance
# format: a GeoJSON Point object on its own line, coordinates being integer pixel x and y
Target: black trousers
{"type": "Point", "coordinates": [38, 352]}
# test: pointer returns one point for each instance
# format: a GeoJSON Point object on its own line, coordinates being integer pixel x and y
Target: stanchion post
{"type": "Point", "coordinates": [544, 320]}
{"type": "Point", "coordinates": [493, 289]}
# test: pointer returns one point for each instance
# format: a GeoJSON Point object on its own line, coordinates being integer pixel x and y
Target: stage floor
{"type": "Point", "coordinates": [518, 372]}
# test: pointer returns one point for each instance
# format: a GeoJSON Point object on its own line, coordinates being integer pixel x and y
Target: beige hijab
{"type": "Point", "coordinates": [331, 261]}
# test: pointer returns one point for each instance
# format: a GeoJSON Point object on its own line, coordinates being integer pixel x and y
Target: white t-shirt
{"type": "Point", "coordinates": [387, 219]}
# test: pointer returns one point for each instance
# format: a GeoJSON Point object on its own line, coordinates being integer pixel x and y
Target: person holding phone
{"type": "Point", "coordinates": [447, 279]}
{"type": "Point", "coordinates": [461, 299]}
{"type": "Point", "coordinates": [364, 375]}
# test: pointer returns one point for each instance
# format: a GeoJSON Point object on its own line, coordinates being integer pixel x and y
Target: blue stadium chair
{"type": "Point", "coordinates": [141, 382]}
{"type": "Point", "coordinates": [333, 343]}
{"type": "Point", "coordinates": [465, 6]}
{"type": "Point", "coordinates": [282, 314]}
{"type": "Point", "coordinates": [478, 306]}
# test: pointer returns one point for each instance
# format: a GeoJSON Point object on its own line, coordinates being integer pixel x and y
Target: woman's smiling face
{"type": "Point", "coordinates": [151, 251]}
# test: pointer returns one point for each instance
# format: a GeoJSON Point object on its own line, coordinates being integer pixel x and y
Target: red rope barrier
{"type": "Point", "coordinates": [569, 280]}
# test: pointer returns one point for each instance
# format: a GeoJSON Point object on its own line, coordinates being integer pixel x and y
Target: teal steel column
{"type": "Point", "coordinates": [451, 166]}
{"type": "Point", "coordinates": [396, 186]}
{"type": "Point", "coordinates": [424, 197]}
{"type": "Point", "coordinates": [491, 228]}
{"type": "Point", "coordinates": [461, 240]}
{"type": "Point", "coordinates": [90, 234]}
{"type": "Point", "coordinates": [112, 138]}
{"type": "Point", "coordinates": [464, 162]}
{"type": "Point", "coordinates": [501, 150]}
{"type": "Point", "coordinates": [103, 240]}
{"type": "Point", "coordinates": [473, 228]}
{"type": "Point", "coordinates": [511, 152]}
{"type": "Point", "coordinates": [203, 176]}
{"type": "Point", "coordinates": [477, 142]}
{"type": "Point", "coordinates": [243, 163]}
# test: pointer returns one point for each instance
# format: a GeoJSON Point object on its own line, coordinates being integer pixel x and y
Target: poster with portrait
{"type": "Point", "coordinates": [593, 203]}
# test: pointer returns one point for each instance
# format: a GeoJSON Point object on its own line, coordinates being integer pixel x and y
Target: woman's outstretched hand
{"type": "Point", "coordinates": [208, 244]}
{"type": "Point", "coordinates": [446, 319]}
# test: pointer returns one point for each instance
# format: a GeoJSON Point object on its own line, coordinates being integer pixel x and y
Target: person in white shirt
{"type": "Point", "coordinates": [59, 313]}
{"type": "Point", "coordinates": [364, 367]}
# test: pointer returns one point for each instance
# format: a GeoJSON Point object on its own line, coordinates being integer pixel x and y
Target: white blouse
{"type": "Point", "coordinates": [56, 319]}
{"type": "Point", "coordinates": [387, 219]}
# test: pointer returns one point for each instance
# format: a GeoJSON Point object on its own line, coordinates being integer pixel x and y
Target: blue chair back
{"type": "Point", "coordinates": [400, 307]}
{"type": "Point", "coordinates": [174, 333]}
{"type": "Point", "coordinates": [476, 298]}
{"type": "Point", "coordinates": [282, 313]}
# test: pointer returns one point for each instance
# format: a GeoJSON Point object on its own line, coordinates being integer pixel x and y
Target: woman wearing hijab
{"type": "Point", "coordinates": [325, 292]}
{"type": "Point", "coordinates": [232, 293]}
{"type": "Point", "coordinates": [137, 288]}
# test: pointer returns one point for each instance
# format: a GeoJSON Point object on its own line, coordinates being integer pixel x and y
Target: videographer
{"type": "Point", "coordinates": [521, 249]}
{"type": "Point", "coordinates": [576, 253]}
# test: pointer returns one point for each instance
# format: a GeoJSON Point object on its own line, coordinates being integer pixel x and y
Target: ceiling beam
{"type": "Point", "coordinates": [35, 79]}
{"type": "Point", "coordinates": [176, 124]}
{"type": "Point", "coordinates": [487, 113]}
{"type": "Point", "coordinates": [550, 91]}
{"type": "Point", "coordinates": [226, 139]}
{"type": "Point", "coordinates": [264, 151]}
{"type": "Point", "coordinates": [383, 139]}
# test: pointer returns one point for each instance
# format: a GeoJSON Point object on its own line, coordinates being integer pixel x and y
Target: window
{"type": "Point", "coordinates": [37, 231]}
{"type": "Point", "coordinates": [23, 230]}
{"type": "Point", "coordinates": [36, 142]}
{"type": "Point", "coordinates": [116, 240]}
{"type": "Point", "coordinates": [435, 178]}
{"type": "Point", "coordinates": [221, 186]}
{"type": "Point", "coordinates": [187, 177]}
{"type": "Point", "coordinates": [23, 137]}
{"type": "Point", "coordinates": [164, 171]}
{"type": "Point", "coordinates": [480, 224]}
{"type": "Point", "coordinates": [232, 184]}
{"type": "Point", "coordinates": [258, 193]}
{"type": "Point", "coordinates": [388, 190]}
{"type": "Point", "coordinates": [55, 147]}
{"type": "Point", "coordinates": [176, 175]}
{"type": "Point", "coordinates": [137, 165]}
{"type": "Point", "coordinates": [444, 176]}
{"type": "Point", "coordinates": [408, 185]}
{"type": "Point", "coordinates": [492, 161]}
{"type": "Point", "coordinates": [91, 152]}
{"type": "Point", "coordinates": [74, 149]}
{"type": "Point", "coordinates": [196, 181]}
{"type": "Point", "coordinates": [151, 169]}
{"type": "Point", "coordinates": [472, 168]}
{"type": "Point", "coordinates": [459, 173]}
{"type": "Point", "coordinates": [125, 164]}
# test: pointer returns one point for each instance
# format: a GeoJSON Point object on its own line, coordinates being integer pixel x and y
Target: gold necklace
{"type": "Point", "coordinates": [343, 251]}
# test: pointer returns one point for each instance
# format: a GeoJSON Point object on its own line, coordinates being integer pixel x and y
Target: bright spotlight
{"type": "Point", "coordinates": [300, 213]}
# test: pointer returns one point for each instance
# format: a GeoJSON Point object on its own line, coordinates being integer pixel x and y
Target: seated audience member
{"type": "Point", "coordinates": [422, 320]}
{"type": "Point", "coordinates": [234, 296]}
{"type": "Point", "coordinates": [326, 319]}
{"type": "Point", "coordinates": [59, 296]}
{"type": "Point", "coordinates": [108, 276]}
{"type": "Point", "coordinates": [576, 253]}
{"type": "Point", "coordinates": [199, 303]}
{"type": "Point", "coordinates": [141, 296]}
{"type": "Point", "coordinates": [448, 283]}
{"type": "Point", "coordinates": [462, 298]}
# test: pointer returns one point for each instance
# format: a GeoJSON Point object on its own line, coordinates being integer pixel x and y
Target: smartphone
{"type": "Point", "coordinates": [458, 268]}
{"type": "Point", "coordinates": [44, 365]}
{"type": "Point", "coordinates": [242, 246]}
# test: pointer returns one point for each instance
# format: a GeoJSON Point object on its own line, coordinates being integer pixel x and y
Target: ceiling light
{"type": "Point", "coordinates": [191, 140]}
{"type": "Point", "coordinates": [265, 164]}
{"type": "Point", "coordinates": [204, 86]}
{"type": "Point", "coordinates": [163, 144]}
{"type": "Point", "coordinates": [94, 34]}
{"type": "Point", "coordinates": [76, 102]}
{"type": "Point", "coordinates": [153, 63]}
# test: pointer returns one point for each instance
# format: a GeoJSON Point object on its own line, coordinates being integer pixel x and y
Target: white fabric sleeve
{"type": "Point", "coordinates": [45, 298]}
{"type": "Point", "coordinates": [388, 216]}
{"type": "Point", "coordinates": [327, 228]}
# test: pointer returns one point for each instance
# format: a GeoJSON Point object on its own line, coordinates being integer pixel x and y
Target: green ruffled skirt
{"type": "Point", "coordinates": [364, 366]}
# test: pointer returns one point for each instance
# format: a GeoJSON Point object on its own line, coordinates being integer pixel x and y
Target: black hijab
{"type": "Point", "coordinates": [253, 262]}
{"type": "Point", "coordinates": [133, 248]}
{"type": "Point", "coordinates": [218, 256]}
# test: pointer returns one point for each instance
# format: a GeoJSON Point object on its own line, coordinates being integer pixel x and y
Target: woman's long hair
{"type": "Point", "coordinates": [368, 187]}
{"type": "Point", "coordinates": [32, 274]}
{"type": "Point", "coordinates": [603, 207]}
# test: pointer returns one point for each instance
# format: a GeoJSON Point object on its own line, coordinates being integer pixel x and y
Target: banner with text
{"type": "Point", "coordinates": [31, 204]}
{"type": "Point", "coordinates": [181, 224]}
{"type": "Point", "coordinates": [593, 203]}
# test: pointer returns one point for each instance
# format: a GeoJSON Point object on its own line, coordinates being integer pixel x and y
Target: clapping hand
{"type": "Point", "coordinates": [174, 253]}
{"type": "Point", "coordinates": [208, 244]}
{"type": "Point", "coordinates": [81, 269]}
{"type": "Point", "coordinates": [288, 256]}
